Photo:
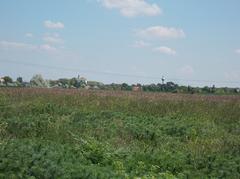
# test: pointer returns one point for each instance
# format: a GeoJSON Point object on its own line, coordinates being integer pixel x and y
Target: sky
{"type": "Point", "coordinates": [189, 42]}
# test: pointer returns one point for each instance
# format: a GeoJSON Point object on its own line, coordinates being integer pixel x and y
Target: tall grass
{"type": "Point", "coordinates": [103, 134]}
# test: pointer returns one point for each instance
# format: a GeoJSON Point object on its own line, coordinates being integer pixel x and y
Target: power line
{"type": "Point", "coordinates": [113, 74]}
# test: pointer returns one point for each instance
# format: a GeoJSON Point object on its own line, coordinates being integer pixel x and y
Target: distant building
{"type": "Point", "coordinates": [2, 80]}
{"type": "Point", "coordinates": [96, 88]}
{"type": "Point", "coordinates": [82, 80]}
{"type": "Point", "coordinates": [237, 90]}
{"type": "Point", "coordinates": [94, 83]}
{"type": "Point", "coordinates": [87, 87]}
{"type": "Point", "coordinates": [136, 88]}
{"type": "Point", "coordinates": [56, 87]}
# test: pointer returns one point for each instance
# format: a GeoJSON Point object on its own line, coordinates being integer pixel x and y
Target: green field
{"type": "Point", "coordinates": [110, 134]}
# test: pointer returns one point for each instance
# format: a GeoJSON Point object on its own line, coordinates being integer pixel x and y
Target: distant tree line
{"type": "Point", "coordinates": [81, 82]}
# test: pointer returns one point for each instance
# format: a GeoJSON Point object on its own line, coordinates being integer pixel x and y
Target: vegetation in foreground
{"type": "Point", "coordinates": [98, 134]}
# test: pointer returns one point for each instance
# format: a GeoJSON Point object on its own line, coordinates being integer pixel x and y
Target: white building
{"type": "Point", "coordinates": [82, 80]}
{"type": "Point", "coordinates": [2, 80]}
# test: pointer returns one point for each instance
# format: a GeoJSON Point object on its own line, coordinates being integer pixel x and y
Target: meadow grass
{"type": "Point", "coordinates": [46, 133]}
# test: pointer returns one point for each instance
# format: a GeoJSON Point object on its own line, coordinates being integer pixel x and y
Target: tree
{"type": "Point", "coordinates": [74, 82]}
{"type": "Point", "coordinates": [64, 81]}
{"type": "Point", "coordinates": [20, 80]}
{"type": "Point", "coordinates": [7, 79]}
{"type": "Point", "coordinates": [38, 81]}
{"type": "Point", "coordinates": [82, 82]}
{"type": "Point", "coordinates": [206, 89]}
{"type": "Point", "coordinates": [125, 86]}
{"type": "Point", "coordinates": [171, 87]}
{"type": "Point", "coordinates": [213, 89]}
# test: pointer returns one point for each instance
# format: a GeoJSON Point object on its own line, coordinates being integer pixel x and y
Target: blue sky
{"type": "Point", "coordinates": [136, 41]}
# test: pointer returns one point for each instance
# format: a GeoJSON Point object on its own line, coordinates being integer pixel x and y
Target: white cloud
{"type": "Point", "coordinates": [140, 44]}
{"type": "Point", "coordinates": [53, 39]}
{"type": "Point", "coordinates": [132, 8]}
{"type": "Point", "coordinates": [165, 50]}
{"type": "Point", "coordinates": [48, 48]}
{"type": "Point", "coordinates": [16, 45]}
{"type": "Point", "coordinates": [237, 51]}
{"type": "Point", "coordinates": [160, 32]}
{"type": "Point", "coordinates": [29, 35]}
{"type": "Point", "coordinates": [53, 25]}
{"type": "Point", "coordinates": [187, 70]}
{"type": "Point", "coordinates": [24, 46]}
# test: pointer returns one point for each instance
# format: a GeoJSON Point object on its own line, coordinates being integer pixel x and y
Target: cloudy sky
{"type": "Point", "coordinates": [136, 41]}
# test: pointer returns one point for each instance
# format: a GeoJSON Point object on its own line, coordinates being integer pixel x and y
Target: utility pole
{"type": "Point", "coordinates": [162, 86]}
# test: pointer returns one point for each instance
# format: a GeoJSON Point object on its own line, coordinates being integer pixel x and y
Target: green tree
{"type": "Point", "coordinates": [213, 89]}
{"type": "Point", "coordinates": [74, 82]}
{"type": "Point", "coordinates": [206, 89]}
{"type": "Point", "coordinates": [7, 79]}
{"type": "Point", "coordinates": [38, 81]}
{"type": "Point", "coordinates": [20, 80]}
{"type": "Point", "coordinates": [125, 86]}
{"type": "Point", "coordinates": [64, 82]}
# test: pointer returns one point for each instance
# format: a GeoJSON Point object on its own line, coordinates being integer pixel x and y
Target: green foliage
{"type": "Point", "coordinates": [7, 79]}
{"type": "Point", "coordinates": [126, 87]}
{"type": "Point", "coordinates": [20, 80]}
{"type": "Point", "coordinates": [53, 134]}
{"type": "Point", "coordinates": [38, 81]}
